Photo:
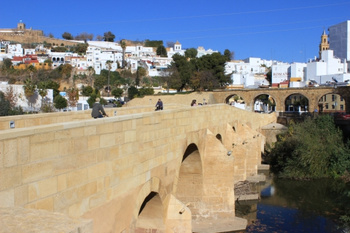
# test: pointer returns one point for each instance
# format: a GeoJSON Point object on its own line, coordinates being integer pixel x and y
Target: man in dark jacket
{"type": "Point", "coordinates": [159, 105]}
{"type": "Point", "coordinates": [97, 110]}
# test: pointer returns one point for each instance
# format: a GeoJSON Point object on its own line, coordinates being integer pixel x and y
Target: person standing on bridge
{"type": "Point", "coordinates": [97, 110]}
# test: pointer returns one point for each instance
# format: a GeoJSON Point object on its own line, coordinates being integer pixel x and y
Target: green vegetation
{"type": "Point", "coordinates": [153, 43]}
{"type": "Point", "coordinates": [204, 73]}
{"type": "Point", "coordinates": [311, 149]}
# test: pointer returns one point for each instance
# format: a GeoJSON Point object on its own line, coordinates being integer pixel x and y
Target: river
{"type": "Point", "coordinates": [315, 206]}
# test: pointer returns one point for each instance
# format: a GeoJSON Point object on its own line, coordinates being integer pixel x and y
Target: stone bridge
{"type": "Point", "coordinates": [280, 95]}
{"type": "Point", "coordinates": [135, 171]}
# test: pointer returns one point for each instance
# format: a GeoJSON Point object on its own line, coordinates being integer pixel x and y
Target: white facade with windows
{"type": "Point", "coordinates": [327, 69]}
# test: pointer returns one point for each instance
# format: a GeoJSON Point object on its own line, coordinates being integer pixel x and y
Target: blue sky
{"type": "Point", "coordinates": [284, 30]}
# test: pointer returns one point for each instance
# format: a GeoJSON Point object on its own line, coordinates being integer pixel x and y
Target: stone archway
{"type": "Point", "coordinates": [331, 103]}
{"type": "Point", "coordinates": [151, 215]}
{"type": "Point", "coordinates": [296, 103]}
{"type": "Point", "coordinates": [264, 103]}
{"type": "Point", "coordinates": [190, 182]}
{"type": "Point", "coordinates": [236, 101]}
{"type": "Point", "coordinates": [149, 210]}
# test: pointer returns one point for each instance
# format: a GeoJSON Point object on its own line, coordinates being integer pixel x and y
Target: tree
{"type": "Point", "coordinates": [123, 45]}
{"type": "Point", "coordinates": [229, 55]}
{"type": "Point", "coordinates": [60, 102]}
{"type": "Point", "coordinates": [6, 64]}
{"type": "Point", "coordinates": [311, 149]}
{"type": "Point", "coordinates": [100, 82]}
{"type": "Point", "coordinates": [161, 51]}
{"type": "Point", "coordinates": [153, 43]}
{"type": "Point", "coordinates": [73, 96]}
{"type": "Point", "coordinates": [109, 66]}
{"type": "Point", "coordinates": [5, 105]}
{"type": "Point", "coordinates": [132, 92]}
{"type": "Point", "coordinates": [87, 91]}
{"type": "Point", "coordinates": [184, 70]}
{"type": "Point", "coordinates": [81, 48]}
{"type": "Point", "coordinates": [191, 53]}
{"type": "Point", "coordinates": [117, 93]}
{"type": "Point", "coordinates": [108, 36]}
{"type": "Point", "coordinates": [84, 36]}
{"type": "Point", "coordinates": [42, 90]}
{"type": "Point", "coordinates": [11, 96]}
{"type": "Point", "coordinates": [29, 91]}
{"type": "Point", "coordinates": [99, 38]}
{"type": "Point", "coordinates": [67, 36]}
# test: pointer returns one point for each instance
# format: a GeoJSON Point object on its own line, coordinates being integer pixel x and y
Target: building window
{"type": "Point", "coordinates": [333, 97]}
{"type": "Point", "coordinates": [326, 106]}
{"type": "Point", "coordinates": [333, 106]}
{"type": "Point", "coordinates": [341, 107]}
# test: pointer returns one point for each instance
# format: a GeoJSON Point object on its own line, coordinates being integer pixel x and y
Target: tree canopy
{"type": "Point", "coordinates": [108, 36]}
{"type": "Point", "coordinates": [67, 36]}
{"type": "Point", "coordinates": [161, 51]}
{"type": "Point", "coordinates": [311, 149]}
{"type": "Point", "coordinates": [204, 73]}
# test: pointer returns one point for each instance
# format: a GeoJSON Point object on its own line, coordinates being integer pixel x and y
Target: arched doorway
{"type": "Point", "coordinates": [264, 103]}
{"type": "Point", "coordinates": [296, 103]}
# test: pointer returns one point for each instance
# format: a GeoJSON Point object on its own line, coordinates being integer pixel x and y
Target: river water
{"type": "Point", "coordinates": [297, 206]}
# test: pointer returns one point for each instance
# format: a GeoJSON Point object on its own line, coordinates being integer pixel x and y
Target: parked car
{"type": "Point", "coordinates": [342, 116]}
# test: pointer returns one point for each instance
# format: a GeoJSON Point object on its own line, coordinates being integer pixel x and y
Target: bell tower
{"type": "Point", "coordinates": [324, 45]}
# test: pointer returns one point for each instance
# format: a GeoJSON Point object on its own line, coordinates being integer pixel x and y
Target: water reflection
{"type": "Point", "coordinates": [297, 206]}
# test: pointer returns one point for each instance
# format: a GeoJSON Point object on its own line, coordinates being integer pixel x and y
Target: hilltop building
{"type": "Point", "coordinates": [21, 30]}
{"type": "Point", "coordinates": [339, 40]}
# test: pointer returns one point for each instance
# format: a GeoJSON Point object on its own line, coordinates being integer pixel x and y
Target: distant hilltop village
{"type": "Point", "coordinates": [21, 34]}
{"type": "Point", "coordinates": [331, 65]}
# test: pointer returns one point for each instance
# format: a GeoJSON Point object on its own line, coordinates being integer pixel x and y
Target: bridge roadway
{"type": "Point", "coordinates": [171, 171]}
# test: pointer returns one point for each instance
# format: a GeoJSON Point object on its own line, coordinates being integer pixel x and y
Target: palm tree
{"type": "Point", "coordinates": [123, 45]}
{"type": "Point", "coordinates": [29, 90]}
{"type": "Point", "coordinates": [109, 65]}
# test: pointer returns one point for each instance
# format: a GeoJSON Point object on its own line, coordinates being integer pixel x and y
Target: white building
{"type": "Point", "coordinates": [297, 75]}
{"type": "Point", "coordinates": [339, 40]}
{"type": "Point", "coordinates": [280, 73]}
{"type": "Point", "coordinates": [327, 69]}
{"type": "Point", "coordinates": [248, 73]}
{"type": "Point", "coordinates": [31, 104]}
{"type": "Point", "coordinates": [15, 50]}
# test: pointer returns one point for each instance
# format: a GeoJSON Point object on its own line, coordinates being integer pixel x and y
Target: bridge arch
{"type": "Point", "coordinates": [313, 94]}
{"type": "Point", "coordinates": [149, 209]}
{"type": "Point", "coordinates": [189, 187]}
{"type": "Point", "coordinates": [331, 102]}
{"type": "Point", "coordinates": [264, 103]}
{"type": "Point", "coordinates": [296, 102]}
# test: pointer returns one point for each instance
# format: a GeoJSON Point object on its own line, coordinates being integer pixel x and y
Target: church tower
{"type": "Point", "coordinates": [324, 45]}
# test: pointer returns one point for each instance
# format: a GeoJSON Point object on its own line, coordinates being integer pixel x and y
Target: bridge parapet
{"type": "Point", "coordinates": [96, 169]}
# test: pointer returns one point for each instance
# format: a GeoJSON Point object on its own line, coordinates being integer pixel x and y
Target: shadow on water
{"type": "Point", "coordinates": [297, 206]}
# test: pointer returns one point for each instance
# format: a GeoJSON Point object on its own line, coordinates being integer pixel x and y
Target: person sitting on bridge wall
{"type": "Point", "coordinates": [97, 110]}
{"type": "Point", "coordinates": [194, 103]}
{"type": "Point", "coordinates": [159, 105]}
